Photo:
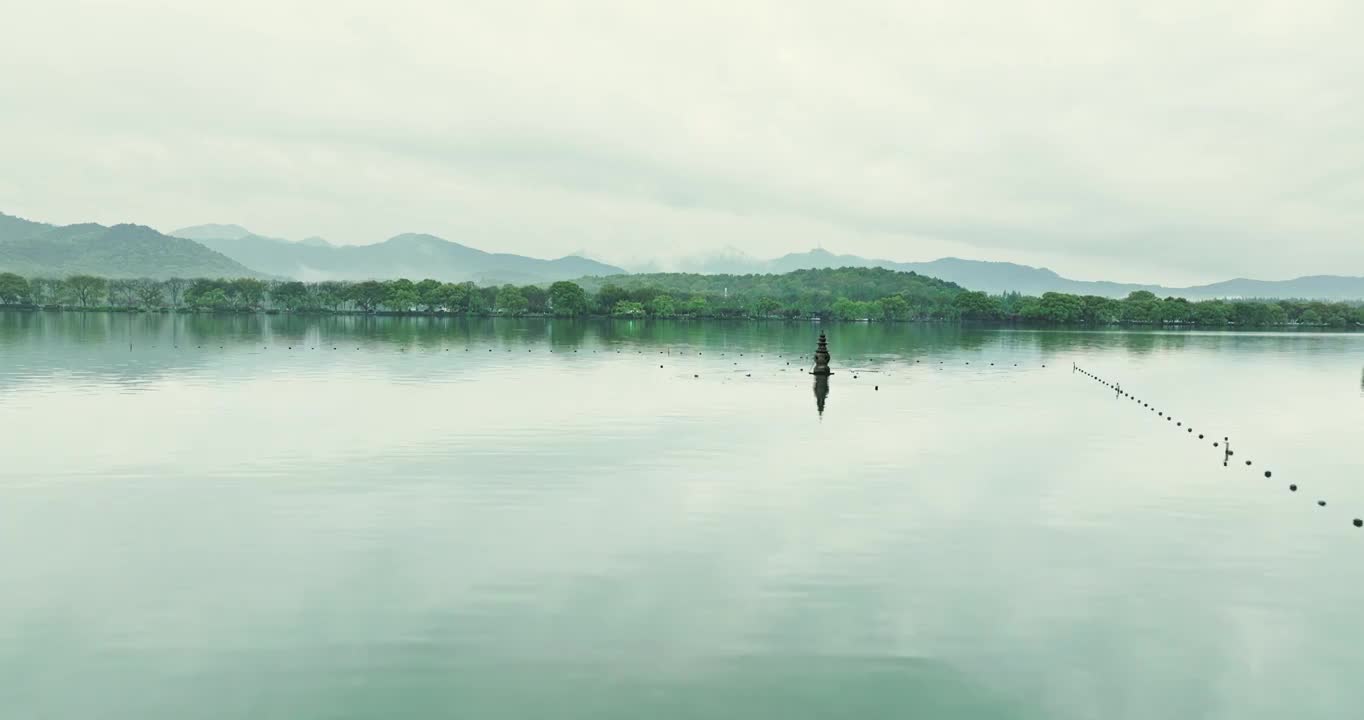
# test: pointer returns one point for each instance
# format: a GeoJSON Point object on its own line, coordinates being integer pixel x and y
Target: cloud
{"type": "Point", "coordinates": [1158, 141]}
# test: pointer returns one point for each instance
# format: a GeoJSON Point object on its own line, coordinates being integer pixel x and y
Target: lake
{"type": "Point", "coordinates": [347, 517]}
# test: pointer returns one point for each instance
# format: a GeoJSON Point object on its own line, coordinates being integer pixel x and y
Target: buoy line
{"type": "Point", "coordinates": [1224, 443]}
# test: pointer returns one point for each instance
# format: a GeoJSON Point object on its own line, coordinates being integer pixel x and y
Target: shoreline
{"type": "Point", "coordinates": [1011, 322]}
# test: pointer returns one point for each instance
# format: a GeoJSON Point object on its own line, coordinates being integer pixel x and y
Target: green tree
{"type": "Point", "coordinates": [609, 295]}
{"type": "Point", "coordinates": [46, 291]}
{"type": "Point", "coordinates": [977, 306]}
{"type": "Point", "coordinates": [1211, 312]}
{"type": "Point", "coordinates": [696, 306]}
{"type": "Point", "coordinates": [628, 308]}
{"type": "Point", "coordinates": [845, 309]}
{"type": "Point", "coordinates": [401, 295]}
{"type": "Point", "coordinates": [367, 295]}
{"type": "Point", "coordinates": [214, 298]}
{"type": "Point", "coordinates": [14, 289]}
{"type": "Point", "coordinates": [454, 298]}
{"type": "Point", "coordinates": [86, 289]}
{"type": "Point", "coordinates": [894, 307]}
{"type": "Point", "coordinates": [249, 292]}
{"type": "Point", "coordinates": [537, 298]}
{"type": "Point", "coordinates": [122, 293]}
{"type": "Point", "coordinates": [332, 294]}
{"type": "Point", "coordinates": [291, 296]}
{"type": "Point", "coordinates": [767, 306]}
{"type": "Point", "coordinates": [175, 289]}
{"type": "Point", "coordinates": [567, 298]}
{"type": "Point", "coordinates": [149, 293]}
{"type": "Point", "coordinates": [429, 294]}
{"type": "Point", "coordinates": [510, 301]}
{"type": "Point", "coordinates": [663, 306]}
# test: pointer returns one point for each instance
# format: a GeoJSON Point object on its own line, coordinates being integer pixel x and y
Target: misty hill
{"type": "Point", "coordinates": [36, 249]}
{"type": "Point", "coordinates": [410, 255]}
{"type": "Point", "coordinates": [1002, 277]}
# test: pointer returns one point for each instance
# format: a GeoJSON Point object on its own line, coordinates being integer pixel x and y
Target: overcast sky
{"type": "Point", "coordinates": [1151, 141]}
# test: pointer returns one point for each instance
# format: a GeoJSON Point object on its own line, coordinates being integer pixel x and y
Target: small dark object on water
{"type": "Point", "coordinates": [1293, 488]}
{"type": "Point", "coordinates": [1359, 523]}
{"type": "Point", "coordinates": [1200, 436]}
{"type": "Point", "coordinates": [878, 387]}
{"type": "Point", "coordinates": [1321, 503]}
{"type": "Point", "coordinates": [1214, 444]}
{"type": "Point", "coordinates": [696, 376]}
{"type": "Point", "coordinates": [1247, 462]}
{"type": "Point", "coordinates": [1269, 474]}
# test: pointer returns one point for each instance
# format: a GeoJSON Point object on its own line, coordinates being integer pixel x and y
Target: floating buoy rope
{"type": "Point", "coordinates": [1224, 443]}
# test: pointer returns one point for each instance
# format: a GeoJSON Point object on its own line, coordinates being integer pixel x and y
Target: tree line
{"type": "Point", "coordinates": [870, 294]}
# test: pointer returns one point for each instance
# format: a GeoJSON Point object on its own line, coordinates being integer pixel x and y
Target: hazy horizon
{"type": "Point", "coordinates": [1155, 144]}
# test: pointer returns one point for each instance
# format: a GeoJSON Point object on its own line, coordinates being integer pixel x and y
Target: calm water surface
{"type": "Point", "coordinates": [371, 518]}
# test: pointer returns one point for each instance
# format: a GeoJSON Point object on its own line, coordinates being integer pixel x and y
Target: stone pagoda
{"type": "Point", "coordinates": [822, 357]}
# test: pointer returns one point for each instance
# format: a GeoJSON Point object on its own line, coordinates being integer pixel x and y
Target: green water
{"type": "Point", "coordinates": [232, 517]}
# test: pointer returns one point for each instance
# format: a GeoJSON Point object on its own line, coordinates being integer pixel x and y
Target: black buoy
{"type": "Point", "coordinates": [1269, 474]}
{"type": "Point", "coordinates": [1321, 503]}
{"type": "Point", "coordinates": [1247, 462]}
{"type": "Point", "coordinates": [1200, 436]}
{"type": "Point", "coordinates": [1293, 488]}
{"type": "Point", "coordinates": [1214, 444]}
{"type": "Point", "coordinates": [1359, 523]}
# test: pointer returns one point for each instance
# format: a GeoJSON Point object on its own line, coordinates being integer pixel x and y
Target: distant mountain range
{"type": "Point", "coordinates": [129, 251]}
{"type": "Point", "coordinates": [1001, 277]}
{"type": "Point", "coordinates": [410, 255]}
{"type": "Point", "coordinates": [36, 249]}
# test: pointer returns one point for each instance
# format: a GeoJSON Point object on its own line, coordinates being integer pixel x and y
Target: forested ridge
{"type": "Point", "coordinates": [851, 294]}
